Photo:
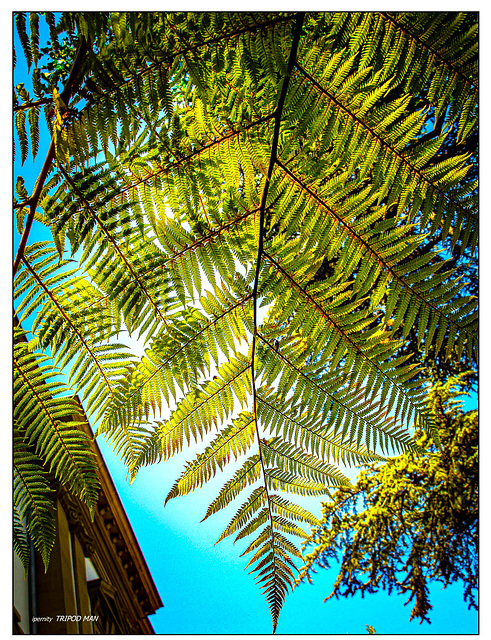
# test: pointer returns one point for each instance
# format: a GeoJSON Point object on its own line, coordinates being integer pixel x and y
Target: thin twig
{"type": "Point", "coordinates": [50, 156]}
{"type": "Point", "coordinates": [30, 105]}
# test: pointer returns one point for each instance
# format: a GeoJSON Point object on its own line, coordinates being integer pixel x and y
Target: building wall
{"type": "Point", "coordinates": [86, 588]}
{"type": "Point", "coordinates": [61, 591]}
{"type": "Point", "coordinates": [97, 581]}
{"type": "Point", "coordinates": [21, 597]}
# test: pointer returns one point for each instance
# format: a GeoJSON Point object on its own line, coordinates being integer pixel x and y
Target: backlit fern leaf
{"type": "Point", "coordinates": [20, 541]}
{"type": "Point", "coordinates": [76, 331]}
{"type": "Point", "coordinates": [47, 440]}
{"type": "Point", "coordinates": [282, 207]}
{"type": "Point", "coordinates": [234, 440]}
{"type": "Point", "coordinates": [247, 474]}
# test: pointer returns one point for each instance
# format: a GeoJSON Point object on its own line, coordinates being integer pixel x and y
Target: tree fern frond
{"type": "Point", "coordinates": [244, 520]}
{"type": "Point", "coordinates": [421, 42]}
{"type": "Point", "coordinates": [234, 440]}
{"type": "Point", "coordinates": [247, 474]}
{"type": "Point", "coordinates": [170, 366]}
{"type": "Point", "coordinates": [282, 209]}
{"type": "Point", "coordinates": [64, 322]}
{"type": "Point", "coordinates": [33, 503]}
{"type": "Point", "coordinates": [47, 421]}
{"type": "Point", "coordinates": [20, 21]}
{"type": "Point", "coordinates": [20, 541]}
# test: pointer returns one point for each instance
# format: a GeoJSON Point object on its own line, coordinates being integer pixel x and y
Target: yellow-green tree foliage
{"type": "Point", "coordinates": [412, 520]}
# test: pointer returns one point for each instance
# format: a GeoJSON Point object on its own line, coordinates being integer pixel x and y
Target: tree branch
{"type": "Point", "coordinates": [35, 103]}
{"type": "Point", "coordinates": [66, 94]}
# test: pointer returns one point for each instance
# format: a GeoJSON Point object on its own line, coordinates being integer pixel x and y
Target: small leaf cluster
{"type": "Point", "coordinates": [58, 67]}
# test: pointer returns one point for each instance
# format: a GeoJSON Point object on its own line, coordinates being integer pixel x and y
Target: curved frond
{"type": "Point", "coordinates": [47, 420]}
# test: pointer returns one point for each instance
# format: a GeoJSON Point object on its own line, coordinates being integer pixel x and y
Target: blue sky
{"type": "Point", "coordinates": [205, 588]}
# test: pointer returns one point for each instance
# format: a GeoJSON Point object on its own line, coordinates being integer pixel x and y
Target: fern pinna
{"type": "Point", "coordinates": [47, 442]}
{"type": "Point", "coordinates": [280, 206]}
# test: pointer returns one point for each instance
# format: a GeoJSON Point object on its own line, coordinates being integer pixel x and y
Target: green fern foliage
{"type": "Point", "coordinates": [47, 441]}
{"type": "Point", "coordinates": [32, 504]}
{"type": "Point", "coordinates": [282, 209]}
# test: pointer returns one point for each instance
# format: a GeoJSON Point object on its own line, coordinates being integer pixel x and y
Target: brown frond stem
{"type": "Point", "coordinates": [21, 205]}
{"type": "Point", "coordinates": [34, 103]}
{"type": "Point", "coordinates": [262, 212]}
